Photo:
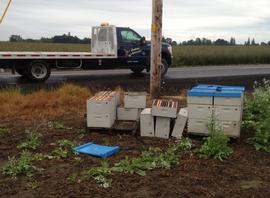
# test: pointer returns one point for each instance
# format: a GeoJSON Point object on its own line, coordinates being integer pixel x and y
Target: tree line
{"type": "Point", "coordinates": [65, 38]}
{"type": "Point", "coordinates": [220, 41]}
{"type": "Point", "coordinates": [68, 38]}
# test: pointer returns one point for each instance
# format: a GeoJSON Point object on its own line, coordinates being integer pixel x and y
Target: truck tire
{"type": "Point", "coordinates": [38, 71]}
{"type": "Point", "coordinates": [164, 67]}
{"type": "Point", "coordinates": [137, 70]}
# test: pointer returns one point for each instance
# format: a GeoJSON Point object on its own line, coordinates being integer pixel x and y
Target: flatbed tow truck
{"type": "Point", "coordinates": [111, 48]}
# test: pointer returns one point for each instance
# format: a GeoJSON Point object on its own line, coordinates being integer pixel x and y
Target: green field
{"type": "Point", "coordinates": [183, 55]}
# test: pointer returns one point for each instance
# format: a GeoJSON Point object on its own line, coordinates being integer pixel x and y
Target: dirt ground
{"type": "Point", "coordinates": [245, 174]}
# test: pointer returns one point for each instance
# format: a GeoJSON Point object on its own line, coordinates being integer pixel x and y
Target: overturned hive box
{"type": "Point", "coordinates": [165, 108]}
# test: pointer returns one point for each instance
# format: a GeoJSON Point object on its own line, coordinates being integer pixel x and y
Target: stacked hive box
{"type": "Point", "coordinates": [101, 110]}
{"type": "Point", "coordinates": [164, 112]}
{"type": "Point", "coordinates": [134, 102]}
{"type": "Point", "coordinates": [221, 103]}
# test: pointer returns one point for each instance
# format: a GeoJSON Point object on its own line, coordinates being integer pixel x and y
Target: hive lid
{"type": "Point", "coordinates": [97, 150]}
{"type": "Point", "coordinates": [201, 92]}
{"type": "Point", "coordinates": [217, 91]}
{"type": "Point", "coordinates": [225, 88]}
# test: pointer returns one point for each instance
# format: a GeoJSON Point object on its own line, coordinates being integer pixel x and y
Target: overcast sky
{"type": "Point", "coordinates": [183, 19]}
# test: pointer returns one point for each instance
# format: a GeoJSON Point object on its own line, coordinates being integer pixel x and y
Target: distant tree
{"type": "Point", "coordinates": [268, 43]}
{"type": "Point", "coordinates": [232, 41]}
{"type": "Point", "coordinates": [221, 42]}
{"type": "Point", "coordinates": [248, 42]}
{"type": "Point", "coordinates": [263, 43]}
{"type": "Point", "coordinates": [174, 43]}
{"type": "Point", "coordinates": [15, 38]}
{"type": "Point", "coordinates": [253, 42]}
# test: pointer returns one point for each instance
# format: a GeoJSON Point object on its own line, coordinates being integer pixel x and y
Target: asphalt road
{"type": "Point", "coordinates": [178, 77]}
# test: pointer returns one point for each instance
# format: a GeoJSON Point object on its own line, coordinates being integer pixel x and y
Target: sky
{"type": "Point", "coordinates": [182, 19]}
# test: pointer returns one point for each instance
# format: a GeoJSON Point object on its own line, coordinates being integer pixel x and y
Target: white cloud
{"type": "Point", "coordinates": [182, 19]}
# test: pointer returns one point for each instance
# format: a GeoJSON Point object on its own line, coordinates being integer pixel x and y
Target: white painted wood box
{"type": "Point", "coordinates": [228, 113]}
{"type": "Point", "coordinates": [163, 127]}
{"type": "Point", "coordinates": [198, 111]}
{"type": "Point", "coordinates": [100, 120]}
{"type": "Point", "coordinates": [128, 114]}
{"type": "Point", "coordinates": [135, 100]}
{"type": "Point", "coordinates": [180, 123]}
{"type": "Point", "coordinates": [147, 123]}
{"type": "Point", "coordinates": [198, 126]}
{"type": "Point", "coordinates": [164, 108]}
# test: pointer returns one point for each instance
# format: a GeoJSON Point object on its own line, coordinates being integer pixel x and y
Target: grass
{"type": "Point", "coordinates": [43, 104]}
{"type": "Point", "coordinates": [183, 55]}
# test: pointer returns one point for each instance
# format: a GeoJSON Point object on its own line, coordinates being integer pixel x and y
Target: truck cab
{"type": "Point", "coordinates": [134, 51]}
{"type": "Point", "coordinates": [111, 48]}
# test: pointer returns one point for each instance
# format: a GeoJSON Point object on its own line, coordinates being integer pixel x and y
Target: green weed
{"type": "Point", "coordinates": [100, 174]}
{"type": "Point", "coordinates": [4, 131]}
{"type": "Point", "coordinates": [151, 159]}
{"type": "Point", "coordinates": [59, 125]}
{"type": "Point", "coordinates": [32, 142]}
{"type": "Point", "coordinates": [64, 146]}
{"type": "Point", "coordinates": [216, 145]}
{"type": "Point", "coordinates": [20, 167]}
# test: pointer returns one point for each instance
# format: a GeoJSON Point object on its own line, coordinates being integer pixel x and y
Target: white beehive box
{"type": "Point", "coordinates": [164, 108]}
{"type": "Point", "coordinates": [101, 105]}
{"type": "Point", "coordinates": [100, 120]}
{"type": "Point", "coordinates": [228, 113]}
{"type": "Point", "coordinates": [128, 114]}
{"type": "Point", "coordinates": [114, 94]}
{"type": "Point", "coordinates": [147, 123]}
{"type": "Point", "coordinates": [198, 126]}
{"type": "Point", "coordinates": [232, 129]}
{"type": "Point", "coordinates": [163, 127]}
{"type": "Point", "coordinates": [198, 111]}
{"type": "Point", "coordinates": [101, 111]}
{"type": "Point", "coordinates": [135, 100]}
{"type": "Point", "coordinates": [204, 100]}
{"type": "Point", "coordinates": [180, 123]}
{"type": "Point", "coordinates": [229, 101]}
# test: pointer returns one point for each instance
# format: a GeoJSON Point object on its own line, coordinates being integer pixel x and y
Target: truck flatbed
{"type": "Point", "coordinates": [54, 55]}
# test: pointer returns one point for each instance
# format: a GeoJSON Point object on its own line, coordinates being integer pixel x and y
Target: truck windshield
{"type": "Point", "coordinates": [128, 36]}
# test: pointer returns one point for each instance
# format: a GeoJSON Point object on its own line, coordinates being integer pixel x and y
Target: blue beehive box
{"type": "Point", "coordinates": [96, 150]}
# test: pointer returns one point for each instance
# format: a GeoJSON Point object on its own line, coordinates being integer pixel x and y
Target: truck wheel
{"type": "Point", "coordinates": [137, 70]}
{"type": "Point", "coordinates": [38, 71]}
{"type": "Point", "coordinates": [164, 67]}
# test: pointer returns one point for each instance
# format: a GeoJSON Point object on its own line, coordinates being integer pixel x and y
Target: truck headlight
{"type": "Point", "coordinates": [170, 50]}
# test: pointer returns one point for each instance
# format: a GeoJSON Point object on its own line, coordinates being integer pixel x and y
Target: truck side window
{"type": "Point", "coordinates": [129, 36]}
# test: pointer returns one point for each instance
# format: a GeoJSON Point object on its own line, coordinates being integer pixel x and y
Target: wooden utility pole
{"type": "Point", "coordinates": [155, 82]}
{"type": "Point", "coordinates": [5, 12]}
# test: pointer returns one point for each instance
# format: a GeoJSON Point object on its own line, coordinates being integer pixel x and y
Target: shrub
{"type": "Point", "coordinates": [257, 116]}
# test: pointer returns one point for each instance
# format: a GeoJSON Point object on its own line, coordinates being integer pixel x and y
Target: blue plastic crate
{"type": "Point", "coordinates": [96, 150]}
